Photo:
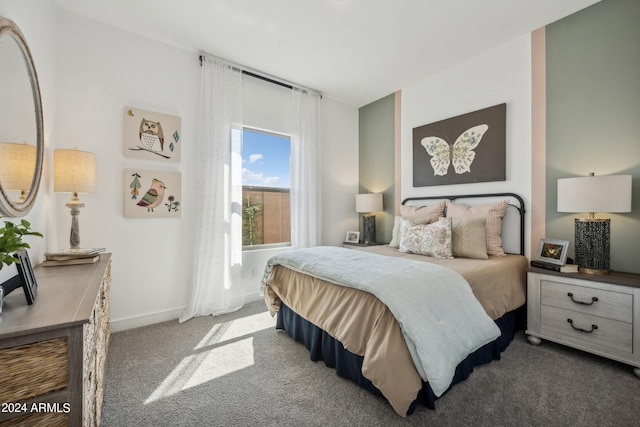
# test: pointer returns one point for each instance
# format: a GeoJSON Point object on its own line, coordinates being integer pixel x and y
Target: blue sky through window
{"type": "Point", "coordinates": [265, 159]}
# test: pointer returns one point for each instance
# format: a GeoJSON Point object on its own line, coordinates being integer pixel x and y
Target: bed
{"type": "Point", "coordinates": [408, 320]}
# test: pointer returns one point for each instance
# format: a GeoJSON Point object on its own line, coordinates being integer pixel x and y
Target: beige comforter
{"type": "Point", "coordinates": [366, 327]}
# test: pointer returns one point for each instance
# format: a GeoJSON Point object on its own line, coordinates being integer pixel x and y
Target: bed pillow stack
{"type": "Point", "coordinates": [492, 214]}
{"type": "Point", "coordinates": [418, 215]}
{"type": "Point", "coordinates": [470, 232]}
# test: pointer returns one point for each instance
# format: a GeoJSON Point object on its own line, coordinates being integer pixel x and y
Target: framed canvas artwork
{"type": "Point", "coordinates": [152, 136]}
{"type": "Point", "coordinates": [462, 149]}
{"type": "Point", "coordinates": [152, 194]}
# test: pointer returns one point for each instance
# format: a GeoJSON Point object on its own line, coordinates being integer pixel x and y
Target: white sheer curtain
{"type": "Point", "coordinates": [305, 183]}
{"type": "Point", "coordinates": [217, 265]}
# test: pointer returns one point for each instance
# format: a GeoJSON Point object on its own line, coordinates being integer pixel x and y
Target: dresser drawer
{"type": "Point", "coordinates": [590, 328]}
{"type": "Point", "coordinates": [598, 302]}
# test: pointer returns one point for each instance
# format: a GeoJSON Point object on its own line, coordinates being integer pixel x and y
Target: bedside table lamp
{"type": "Point", "coordinates": [17, 165]}
{"type": "Point", "coordinates": [74, 171]}
{"type": "Point", "coordinates": [593, 194]}
{"type": "Point", "coordinates": [367, 203]}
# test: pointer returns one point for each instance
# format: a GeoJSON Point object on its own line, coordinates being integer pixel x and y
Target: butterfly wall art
{"type": "Point", "coordinates": [463, 149]}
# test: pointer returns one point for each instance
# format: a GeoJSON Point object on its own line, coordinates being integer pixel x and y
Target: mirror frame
{"type": "Point", "coordinates": [7, 206]}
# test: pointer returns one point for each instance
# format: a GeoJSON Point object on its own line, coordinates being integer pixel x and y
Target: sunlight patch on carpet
{"type": "Point", "coordinates": [225, 349]}
{"type": "Point", "coordinates": [237, 328]}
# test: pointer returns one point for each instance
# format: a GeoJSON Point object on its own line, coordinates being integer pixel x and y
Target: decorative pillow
{"type": "Point", "coordinates": [396, 227]}
{"type": "Point", "coordinates": [432, 212]}
{"type": "Point", "coordinates": [432, 239]}
{"type": "Point", "coordinates": [493, 212]}
{"type": "Point", "coordinates": [469, 237]}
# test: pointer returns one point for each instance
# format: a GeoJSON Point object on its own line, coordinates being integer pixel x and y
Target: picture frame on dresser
{"type": "Point", "coordinates": [28, 278]}
{"type": "Point", "coordinates": [25, 278]}
{"type": "Point", "coordinates": [552, 251]}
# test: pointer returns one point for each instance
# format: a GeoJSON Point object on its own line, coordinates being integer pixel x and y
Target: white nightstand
{"type": "Point", "coordinates": [598, 314]}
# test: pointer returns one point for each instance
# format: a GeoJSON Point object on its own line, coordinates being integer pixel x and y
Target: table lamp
{"type": "Point", "coordinates": [74, 171]}
{"type": "Point", "coordinates": [612, 194]}
{"type": "Point", "coordinates": [367, 203]}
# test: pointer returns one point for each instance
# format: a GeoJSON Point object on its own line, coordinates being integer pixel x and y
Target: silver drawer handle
{"type": "Point", "coordinates": [593, 299]}
{"type": "Point", "coordinates": [593, 327]}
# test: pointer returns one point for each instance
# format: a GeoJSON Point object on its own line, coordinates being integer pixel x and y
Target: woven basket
{"type": "Point", "coordinates": [34, 369]}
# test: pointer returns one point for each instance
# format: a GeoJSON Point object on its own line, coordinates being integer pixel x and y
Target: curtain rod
{"type": "Point", "coordinates": [258, 75]}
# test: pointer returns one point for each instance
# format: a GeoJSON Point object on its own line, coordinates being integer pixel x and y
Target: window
{"type": "Point", "coordinates": [265, 188]}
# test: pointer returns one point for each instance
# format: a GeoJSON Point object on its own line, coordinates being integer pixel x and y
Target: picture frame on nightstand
{"type": "Point", "coordinates": [552, 251]}
{"type": "Point", "coordinates": [352, 237]}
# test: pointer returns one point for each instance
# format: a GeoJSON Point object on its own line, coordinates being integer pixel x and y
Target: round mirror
{"type": "Point", "coordinates": [21, 129]}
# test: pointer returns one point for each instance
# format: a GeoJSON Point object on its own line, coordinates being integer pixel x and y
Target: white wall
{"type": "Point", "coordinates": [101, 69]}
{"type": "Point", "coordinates": [500, 75]}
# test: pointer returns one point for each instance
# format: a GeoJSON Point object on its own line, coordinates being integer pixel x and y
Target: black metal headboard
{"type": "Point", "coordinates": [515, 201]}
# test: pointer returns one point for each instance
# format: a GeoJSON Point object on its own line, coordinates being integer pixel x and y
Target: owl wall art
{"type": "Point", "coordinates": [460, 150]}
{"type": "Point", "coordinates": [152, 194]}
{"type": "Point", "coordinates": [152, 136]}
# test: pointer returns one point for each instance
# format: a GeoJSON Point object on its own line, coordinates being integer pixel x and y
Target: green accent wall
{"type": "Point", "coordinates": [593, 114]}
{"type": "Point", "coordinates": [376, 159]}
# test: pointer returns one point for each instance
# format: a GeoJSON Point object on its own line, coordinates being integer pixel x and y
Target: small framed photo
{"type": "Point", "coordinates": [553, 251]}
{"type": "Point", "coordinates": [28, 278]}
{"type": "Point", "coordinates": [352, 237]}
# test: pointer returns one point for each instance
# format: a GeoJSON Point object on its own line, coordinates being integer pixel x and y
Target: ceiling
{"type": "Point", "coordinates": [353, 51]}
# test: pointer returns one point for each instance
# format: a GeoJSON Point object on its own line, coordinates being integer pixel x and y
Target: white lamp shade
{"type": "Point", "coordinates": [17, 165]}
{"type": "Point", "coordinates": [74, 171]}
{"type": "Point", "coordinates": [371, 202]}
{"type": "Point", "coordinates": [611, 193]}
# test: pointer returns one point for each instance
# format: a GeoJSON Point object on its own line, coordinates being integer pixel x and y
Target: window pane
{"type": "Point", "coordinates": [265, 188]}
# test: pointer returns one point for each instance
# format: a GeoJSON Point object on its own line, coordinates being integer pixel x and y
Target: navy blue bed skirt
{"type": "Point", "coordinates": [323, 346]}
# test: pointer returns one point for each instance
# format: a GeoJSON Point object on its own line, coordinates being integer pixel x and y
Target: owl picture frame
{"type": "Point", "coordinates": [151, 135]}
{"type": "Point", "coordinates": [464, 149]}
{"type": "Point", "coordinates": [152, 194]}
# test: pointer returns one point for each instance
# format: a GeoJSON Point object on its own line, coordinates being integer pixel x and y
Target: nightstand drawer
{"type": "Point", "coordinates": [583, 299]}
{"type": "Point", "coordinates": [594, 329]}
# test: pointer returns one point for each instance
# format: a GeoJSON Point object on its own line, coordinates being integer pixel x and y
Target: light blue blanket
{"type": "Point", "coordinates": [441, 320]}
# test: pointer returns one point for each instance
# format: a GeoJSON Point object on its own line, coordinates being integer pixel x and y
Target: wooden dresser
{"type": "Point", "coordinates": [598, 314]}
{"type": "Point", "coordinates": [53, 353]}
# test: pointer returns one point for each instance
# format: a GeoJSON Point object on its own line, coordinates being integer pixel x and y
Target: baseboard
{"type": "Point", "coordinates": [118, 325]}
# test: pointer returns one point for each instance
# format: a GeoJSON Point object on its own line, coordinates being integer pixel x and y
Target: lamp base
{"type": "Point", "coordinates": [592, 245]}
{"type": "Point", "coordinates": [592, 271]}
{"type": "Point", "coordinates": [74, 237]}
{"type": "Point", "coordinates": [369, 229]}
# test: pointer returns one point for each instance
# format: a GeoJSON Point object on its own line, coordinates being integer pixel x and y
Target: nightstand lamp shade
{"type": "Point", "coordinates": [74, 171]}
{"type": "Point", "coordinates": [17, 165]}
{"type": "Point", "coordinates": [367, 203]}
{"type": "Point", "coordinates": [591, 194]}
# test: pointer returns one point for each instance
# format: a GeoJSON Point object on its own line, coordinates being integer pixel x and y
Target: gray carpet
{"type": "Point", "coordinates": [237, 370]}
